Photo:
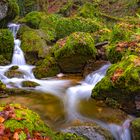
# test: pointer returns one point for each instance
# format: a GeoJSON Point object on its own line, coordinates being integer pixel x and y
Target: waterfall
{"type": "Point", "coordinates": [18, 55]}
{"type": "Point", "coordinates": [83, 91]}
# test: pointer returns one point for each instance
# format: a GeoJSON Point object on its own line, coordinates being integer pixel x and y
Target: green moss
{"type": "Point", "coordinates": [66, 26]}
{"type": "Point", "coordinates": [77, 43]}
{"type": "Point", "coordinates": [73, 52]}
{"type": "Point", "coordinates": [121, 82]}
{"type": "Point", "coordinates": [33, 19]}
{"type": "Point", "coordinates": [89, 10]}
{"type": "Point", "coordinates": [119, 33]}
{"type": "Point", "coordinates": [29, 84]}
{"type": "Point", "coordinates": [135, 127]}
{"type": "Point", "coordinates": [27, 119]}
{"type": "Point", "coordinates": [3, 61]}
{"type": "Point", "coordinates": [2, 86]}
{"type": "Point", "coordinates": [33, 44]}
{"type": "Point", "coordinates": [6, 44]}
{"type": "Point", "coordinates": [14, 73]}
{"type": "Point", "coordinates": [66, 9]}
{"type": "Point", "coordinates": [46, 68]}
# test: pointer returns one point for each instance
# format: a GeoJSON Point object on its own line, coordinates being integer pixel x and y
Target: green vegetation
{"type": "Point", "coordinates": [13, 11]}
{"type": "Point", "coordinates": [6, 44]}
{"type": "Point", "coordinates": [121, 82]}
{"type": "Point", "coordinates": [73, 52]}
{"type": "Point", "coordinates": [29, 84]}
{"type": "Point", "coordinates": [135, 127]}
{"type": "Point", "coordinates": [46, 68]}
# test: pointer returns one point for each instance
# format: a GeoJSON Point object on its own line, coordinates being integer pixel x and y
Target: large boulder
{"type": "Point", "coordinates": [117, 51]}
{"type": "Point", "coordinates": [8, 11]}
{"type": "Point", "coordinates": [122, 84]}
{"type": "Point", "coordinates": [73, 52]}
{"type": "Point", "coordinates": [6, 44]}
{"type": "Point", "coordinates": [33, 44]}
{"type": "Point", "coordinates": [46, 68]}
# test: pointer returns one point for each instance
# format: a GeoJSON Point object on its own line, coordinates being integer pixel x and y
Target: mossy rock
{"type": "Point", "coordinates": [32, 44]}
{"type": "Point", "coordinates": [33, 19]}
{"type": "Point", "coordinates": [2, 86]}
{"type": "Point", "coordinates": [14, 68]}
{"type": "Point", "coordinates": [121, 83]}
{"type": "Point", "coordinates": [11, 10]}
{"type": "Point", "coordinates": [6, 44]}
{"type": "Point", "coordinates": [29, 84]}
{"type": "Point", "coordinates": [26, 123]}
{"type": "Point", "coordinates": [135, 129]}
{"type": "Point", "coordinates": [66, 26]}
{"type": "Point", "coordinates": [3, 61]}
{"type": "Point", "coordinates": [117, 51]}
{"type": "Point", "coordinates": [46, 68]}
{"type": "Point", "coordinates": [89, 10]}
{"type": "Point", "coordinates": [73, 52]}
{"type": "Point", "coordinates": [14, 73]}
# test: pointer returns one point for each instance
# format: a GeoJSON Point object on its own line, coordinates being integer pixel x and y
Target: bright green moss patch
{"type": "Point", "coordinates": [24, 123]}
{"type": "Point", "coordinates": [66, 26]}
{"type": "Point", "coordinates": [6, 43]}
{"type": "Point", "coordinates": [121, 82]}
{"type": "Point", "coordinates": [73, 52]}
{"type": "Point", "coordinates": [46, 68]}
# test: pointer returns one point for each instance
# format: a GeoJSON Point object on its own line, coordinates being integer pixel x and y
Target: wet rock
{"type": "Point", "coordinates": [90, 132]}
{"type": "Point", "coordinates": [3, 9]}
{"type": "Point", "coordinates": [73, 52]}
{"type": "Point", "coordinates": [14, 73]}
{"type": "Point", "coordinates": [29, 84]}
{"type": "Point", "coordinates": [93, 66]}
{"type": "Point", "coordinates": [122, 84]}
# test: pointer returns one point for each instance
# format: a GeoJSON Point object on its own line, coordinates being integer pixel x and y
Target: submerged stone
{"type": "Point", "coordinates": [29, 84]}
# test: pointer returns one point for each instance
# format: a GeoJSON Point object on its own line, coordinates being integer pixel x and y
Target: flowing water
{"type": "Point", "coordinates": [61, 102]}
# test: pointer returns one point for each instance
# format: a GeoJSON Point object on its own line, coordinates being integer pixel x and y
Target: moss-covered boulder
{"type": "Point", "coordinates": [46, 68]}
{"type": "Point", "coordinates": [2, 86]}
{"type": "Point", "coordinates": [3, 61]}
{"type": "Point", "coordinates": [135, 129]}
{"type": "Point", "coordinates": [122, 83]}
{"type": "Point", "coordinates": [18, 122]}
{"type": "Point", "coordinates": [66, 26]}
{"type": "Point", "coordinates": [8, 11]}
{"type": "Point", "coordinates": [29, 84]}
{"type": "Point", "coordinates": [89, 10]}
{"type": "Point", "coordinates": [6, 44]}
{"type": "Point", "coordinates": [117, 51]}
{"type": "Point", "coordinates": [14, 73]}
{"type": "Point", "coordinates": [33, 44]}
{"type": "Point", "coordinates": [73, 52]}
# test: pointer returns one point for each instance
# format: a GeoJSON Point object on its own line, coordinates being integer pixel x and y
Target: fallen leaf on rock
{"type": "Point", "coordinates": [2, 119]}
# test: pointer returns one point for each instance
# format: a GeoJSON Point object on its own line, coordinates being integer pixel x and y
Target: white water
{"type": "Point", "coordinates": [83, 91]}
{"type": "Point", "coordinates": [73, 95]}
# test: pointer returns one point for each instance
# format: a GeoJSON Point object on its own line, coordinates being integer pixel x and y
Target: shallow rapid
{"type": "Point", "coordinates": [72, 95]}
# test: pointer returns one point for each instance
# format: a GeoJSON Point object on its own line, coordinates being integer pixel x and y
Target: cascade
{"type": "Point", "coordinates": [73, 94]}
{"type": "Point", "coordinates": [83, 91]}
{"type": "Point", "coordinates": [18, 56]}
